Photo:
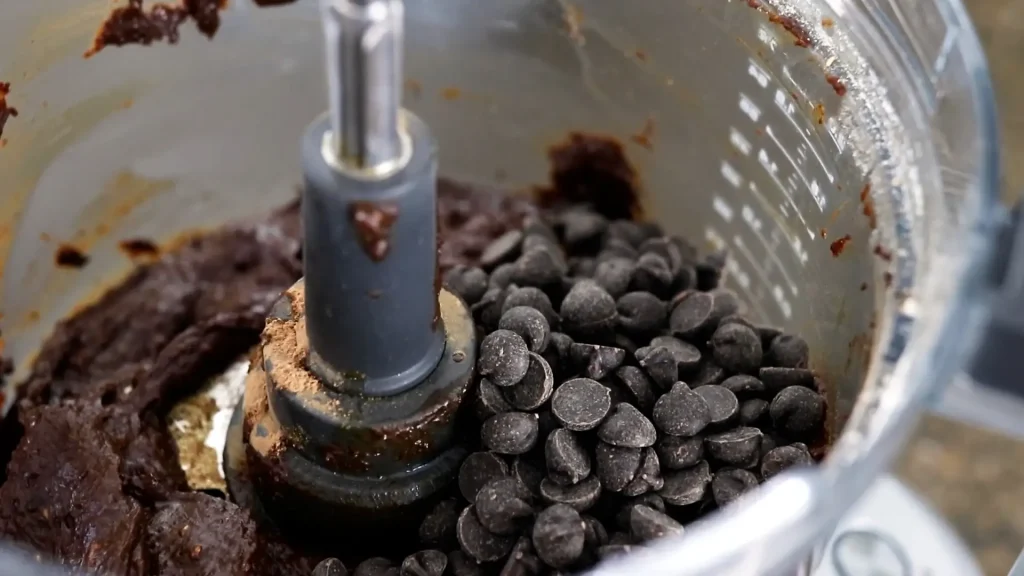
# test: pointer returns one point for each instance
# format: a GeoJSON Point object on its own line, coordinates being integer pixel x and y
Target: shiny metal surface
{"type": "Point", "coordinates": [747, 147]}
{"type": "Point", "coordinates": [364, 40]}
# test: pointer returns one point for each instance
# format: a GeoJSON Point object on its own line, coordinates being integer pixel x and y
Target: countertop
{"type": "Point", "coordinates": [975, 478]}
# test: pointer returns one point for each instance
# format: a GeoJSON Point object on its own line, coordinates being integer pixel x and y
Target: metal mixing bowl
{"type": "Point", "coordinates": [880, 129]}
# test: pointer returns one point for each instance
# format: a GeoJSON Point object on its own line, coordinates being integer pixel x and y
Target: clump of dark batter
{"type": "Point", "coordinates": [135, 24]}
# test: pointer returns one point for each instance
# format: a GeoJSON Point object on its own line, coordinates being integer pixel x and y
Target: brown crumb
{"type": "Point", "coordinates": [640, 55]}
{"type": "Point", "coordinates": [6, 112]}
{"type": "Point", "coordinates": [836, 84]}
{"type": "Point", "coordinates": [827, 22]}
{"type": "Point", "coordinates": [643, 138]}
{"type": "Point", "coordinates": [823, 232]}
{"type": "Point", "coordinates": [818, 113]}
{"type": "Point", "coordinates": [868, 206]}
{"type": "Point", "coordinates": [863, 286]}
{"type": "Point", "coordinates": [883, 253]}
{"type": "Point", "coordinates": [133, 24]}
{"type": "Point", "coordinates": [839, 245]}
{"type": "Point", "coordinates": [70, 257]}
{"type": "Point", "coordinates": [791, 25]}
{"type": "Point", "coordinates": [451, 93]}
{"type": "Point", "coordinates": [140, 248]}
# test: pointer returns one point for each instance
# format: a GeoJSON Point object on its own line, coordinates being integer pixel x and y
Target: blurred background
{"type": "Point", "coordinates": [974, 477]}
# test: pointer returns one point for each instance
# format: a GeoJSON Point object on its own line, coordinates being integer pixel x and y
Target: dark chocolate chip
{"type": "Point", "coordinates": [731, 483]}
{"type": "Point", "coordinates": [487, 311]}
{"type": "Point", "coordinates": [738, 319]}
{"type": "Point", "coordinates": [596, 361]}
{"type": "Point", "coordinates": [468, 282]}
{"type": "Point", "coordinates": [641, 391]}
{"type": "Point", "coordinates": [546, 423]}
{"type": "Point", "coordinates": [463, 565]}
{"type": "Point", "coordinates": [539, 266]}
{"type": "Point", "coordinates": [616, 466]}
{"type": "Point", "coordinates": [768, 443]}
{"type": "Point", "coordinates": [653, 274]}
{"type": "Point", "coordinates": [580, 496]}
{"type": "Point", "coordinates": [532, 298]}
{"type": "Point", "coordinates": [788, 351]}
{"type": "Point", "coordinates": [681, 412]}
{"type": "Point", "coordinates": [581, 404]}
{"type": "Point", "coordinates": [502, 249]}
{"type": "Point", "coordinates": [647, 524]}
{"type": "Point", "coordinates": [530, 324]}
{"type": "Point", "coordinates": [501, 277]}
{"type": "Point", "coordinates": [558, 535]}
{"type": "Point", "coordinates": [478, 469]}
{"type": "Point", "coordinates": [504, 358]}
{"type": "Point", "coordinates": [559, 355]}
{"type": "Point", "coordinates": [784, 457]}
{"type": "Point", "coordinates": [620, 340]}
{"type": "Point", "coordinates": [625, 230]}
{"type": "Point", "coordinates": [648, 478]}
{"type": "Point", "coordinates": [615, 248]}
{"type": "Point", "coordinates": [692, 316]}
{"type": "Point", "coordinates": [489, 400]}
{"type": "Point", "coordinates": [477, 542]}
{"type": "Point", "coordinates": [438, 526]}
{"type": "Point", "coordinates": [736, 348]}
{"type": "Point", "coordinates": [612, 550]}
{"type": "Point", "coordinates": [567, 461]}
{"type": "Point", "coordinates": [588, 312]}
{"type": "Point", "coordinates": [535, 388]}
{"type": "Point", "coordinates": [707, 373]}
{"type": "Point", "coordinates": [727, 303]}
{"type": "Point", "coordinates": [582, 267]}
{"type": "Point", "coordinates": [767, 334]}
{"type": "Point", "coordinates": [687, 355]}
{"type": "Point", "coordinates": [615, 275]}
{"type": "Point", "coordinates": [798, 412]}
{"type": "Point", "coordinates": [376, 566]}
{"type": "Point", "coordinates": [582, 229]}
{"type": "Point", "coordinates": [740, 447]}
{"type": "Point", "coordinates": [685, 487]}
{"type": "Point", "coordinates": [641, 313]}
{"type": "Point", "coordinates": [594, 532]}
{"type": "Point", "coordinates": [754, 412]}
{"type": "Point", "coordinates": [679, 452]}
{"type": "Point", "coordinates": [527, 473]}
{"type": "Point", "coordinates": [627, 427]}
{"type": "Point", "coordinates": [776, 379]}
{"type": "Point", "coordinates": [660, 364]}
{"type": "Point", "coordinates": [522, 561]}
{"type": "Point", "coordinates": [665, 248]}
{"type": "Point", "coordinates": [744, 386]}
{"type": "Point", "coordinates": [504, 506]}
{"type": "Point", "coordinates": [722, 404]}
{"type": "Point", "coordinates": [425, 563]}
{"type": "Point", "coordinates": [708, 275]}
{"type": "Point", "coordinates": [330, 567]}
{"type": "Point", "coordinates": [510, 433]}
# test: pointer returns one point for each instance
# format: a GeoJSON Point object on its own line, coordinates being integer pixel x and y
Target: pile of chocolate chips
{"type": "Point", "coordinates": [621, 395]}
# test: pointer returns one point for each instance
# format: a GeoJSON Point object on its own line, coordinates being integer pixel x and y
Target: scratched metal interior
{"type": "Point", "coordinates": [739, 158]}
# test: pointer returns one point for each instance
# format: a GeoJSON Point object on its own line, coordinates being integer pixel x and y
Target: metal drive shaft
{"type": "Point", "coordinates": [369, 213]}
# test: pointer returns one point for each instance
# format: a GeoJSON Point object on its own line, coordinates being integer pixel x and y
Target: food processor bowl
{"type": "Point", "coordinates": [841, 152]}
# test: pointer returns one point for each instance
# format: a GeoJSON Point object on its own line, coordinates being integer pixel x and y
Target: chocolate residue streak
{"type": "Point", "coordinates": [139, 248]}
{"type": "Point", "coordinates": [868, 206]}
{"type": "Point", "coordinates": [373, 222]}
{"type": "Point", "coordinates": [790, 24]}
{"type": "Point", "coordinates": [836, 84]}
{"type": "Point", "coordinates": [451, 93]}
{"type": "Point", "coordinates": [593, 169]}
{"type": "Point", "coordinates": [883, 253]}
{"type": "Point", "coordinates": [818, 113]}
{"type": "Point", "coordinates": [70, 257]}
{"type": "Point", "coordinates": [133, 24]}
{"type": "Point", "coordinates": [839, 245]}
{"type": "Point", "coordinates": [640, 55]}
{"type": "Point", "coordinates": [644, 137]}
{"type": "Point", "coordinates": [6, 112]}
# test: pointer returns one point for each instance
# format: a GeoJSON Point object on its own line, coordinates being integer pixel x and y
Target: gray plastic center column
{"type": "Point", "coordinates": [369, 214]}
